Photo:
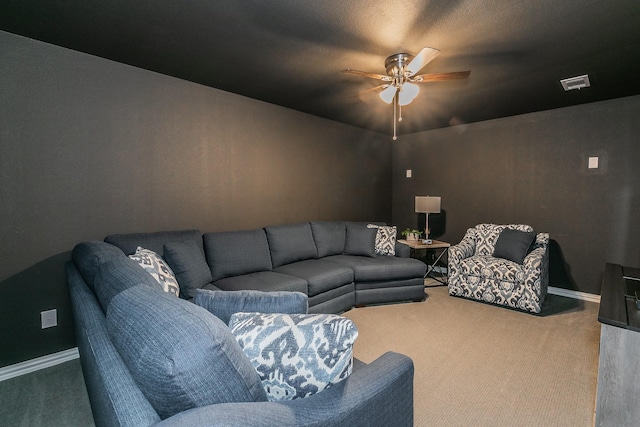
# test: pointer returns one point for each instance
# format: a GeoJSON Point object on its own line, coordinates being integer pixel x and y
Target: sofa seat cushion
{"type": "Point", "coordinates": [223, 304]}
{"type": "Point", "coordinates": [290, 243]}
{"type": "Point", "coordinates": [296, 355]}
{"type": "Point", "coordinates": [490, 267]}
{"type": "Point", "coordinates": [321, 275]}
{"type": "Point", "coordinates": [381, 268]}
{"type": "Point", "coordinates": [235, 253]}
{"type": "Point", "coordinates": [180, 355]}
{"type": "Point", "coordinates": [266, 281]}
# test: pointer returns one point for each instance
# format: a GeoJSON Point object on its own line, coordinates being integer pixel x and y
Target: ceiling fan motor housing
{"type": "Point", "coordinates": [395, 64]}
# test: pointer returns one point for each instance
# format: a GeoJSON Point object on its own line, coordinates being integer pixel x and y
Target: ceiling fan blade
{"type": "Point", "coordinates": [425, 56]}
{"type": "Point", "coordinates": [439, 77]}
{"type": "Point", "coordinates": [374, 89]}
{"type": "Point", "coordinates": [365, 74]}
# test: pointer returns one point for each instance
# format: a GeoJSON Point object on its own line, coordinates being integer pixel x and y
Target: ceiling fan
{"type": "Point", "coordinates": [400, 86]}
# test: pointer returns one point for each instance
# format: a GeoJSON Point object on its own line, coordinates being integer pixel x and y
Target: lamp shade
{"type": "Point", "coordinates": [388, 94]}
{"type": "Point", "coordinates": [427, 204]}
{"type": "Point", "coordinates": [408, 93]}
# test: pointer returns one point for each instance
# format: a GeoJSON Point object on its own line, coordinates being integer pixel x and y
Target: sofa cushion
{"type": "Point", "coordinates": [360, 240]}
{"type": "Point", "coordinates": [267, 281]}
{"type": "Point", "coordinates": [117, 275]}
{"type": "Point", "coordinates": [153, 264]}
{"type": "Point", "coordinates": [514, 245]}
{"type": "Point", "coordinates": [381, 268]}
{"type": "Point", "coordinates": [223, 304]}
{"type": "Point", "coordinates": [385, 239]}
{"type": "Point", "coordinates": [235, 253]}
{"type": "Point", "coordinates": [321, 275]}
{"type": "Point", "coordinates": [290, 243]}
{"type": "Point", "coordinates": [187, 261]}
{"type": "Point", "coordinates": [489, 267]}
{"type": "Point", "coordinates": [296, 355]}
{"type": "Point", "coordinates": [88, 256]}
{"type": "Point", "coordinates": [487, 235]}
{"type": "Point", "coordinates": [329, 237]}
{"type": "Point", "coordinates": [153, 241]}
{"type": "Point", "coordinates": [180, 355]}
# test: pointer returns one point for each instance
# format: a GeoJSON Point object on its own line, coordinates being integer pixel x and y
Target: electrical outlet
{"type": "Point", "coordinates": [408, 173]}
{"type": "Point", "coordinates": [49, 318]}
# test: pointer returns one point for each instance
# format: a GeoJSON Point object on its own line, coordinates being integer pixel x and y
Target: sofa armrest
{"type": "Point", "coordinates": [465, 249]}
{"type": "Point", "coordinates": [536, 262]}
{"type": "Point", "coordinates": [402, 250]}
{"type": "Point", "coordinates": [377, 394]}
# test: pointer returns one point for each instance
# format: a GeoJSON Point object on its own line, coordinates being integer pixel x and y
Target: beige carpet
{"type": "Point", "coordinates": [483, 365]}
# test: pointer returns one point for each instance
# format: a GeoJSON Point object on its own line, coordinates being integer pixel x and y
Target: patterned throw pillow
{"type": "Point", "coordinates": [296, 355]}
{"type": "Point", "coordinates": [385, 239]}
{"type": "Point", "coordinates": [153, 264]}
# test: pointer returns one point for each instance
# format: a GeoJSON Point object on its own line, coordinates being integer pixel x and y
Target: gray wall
{"type": "Point", "coordinates": [91, 147]}
{"type": "Point", "coordinates": [533, 169]}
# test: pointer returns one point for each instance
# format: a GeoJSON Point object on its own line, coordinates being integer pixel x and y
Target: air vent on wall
{"type": "Point", "coordinates": [575, 82]}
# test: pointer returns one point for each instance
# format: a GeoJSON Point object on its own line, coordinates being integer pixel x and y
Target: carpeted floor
{"type": "Point", "coordinates": [51, 397]}
{"type": "Point", "coordinates": [483, 365]}
{"type": "Point", "coordinates": [475, 365]}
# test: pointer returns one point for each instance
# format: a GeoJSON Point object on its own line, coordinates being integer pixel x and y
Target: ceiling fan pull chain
{"type": "Point", "coordinates": [395, 108]}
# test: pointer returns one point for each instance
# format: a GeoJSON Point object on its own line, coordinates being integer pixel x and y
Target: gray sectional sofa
{"type": "Point", "coordinates": [150, 358]}
{"type": "Point", "coordinates": [332, 262]}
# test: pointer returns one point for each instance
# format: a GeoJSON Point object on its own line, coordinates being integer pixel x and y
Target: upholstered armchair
{"type": "Point", "coordinates": [509, 268]}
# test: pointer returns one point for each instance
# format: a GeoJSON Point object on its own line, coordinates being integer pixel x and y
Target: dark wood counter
{"type": "Point", "coordinates": [618, 367]}
{"type": "Point", "coordinates": [616, 309]}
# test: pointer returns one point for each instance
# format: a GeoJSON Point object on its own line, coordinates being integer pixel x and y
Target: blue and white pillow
{"type": "Point", "coordinates": [153, 264]}
{"type": "Point", "coordinates": [296, 355]}
{"type": "Point", "coordinates": [385, 239]}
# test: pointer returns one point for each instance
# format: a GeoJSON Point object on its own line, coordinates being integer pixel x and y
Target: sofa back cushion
{"type": "Point", "coordinates": [153, 241]}
{"type": "Point", "coordinates": [88, 256]}
{"type": "Point", "coordinates": [117, 275]}
{"type": "Point", "coordinates": [360, 240]}
{"type": "Point", "coordinates": [180, 355]}
{"type": "Point", "coordinates": [290, 243]}
{"type": "Point", "coordinates": [235, 253]}
{"type": "Point", "coordinates": [187, 261]}
{"type": "Point", "coordinates": [487, 236]}
{"type": "Point", "coordinates": [329, 237]}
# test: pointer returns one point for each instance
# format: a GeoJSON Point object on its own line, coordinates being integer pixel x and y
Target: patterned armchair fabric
{"type": "Point", "coordinates": [475, 273]}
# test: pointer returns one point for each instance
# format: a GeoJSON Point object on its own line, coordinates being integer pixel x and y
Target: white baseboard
{"type": "Point", "coordinates": [38, 363]}
{"type": "Point", "coordinates": [574, 294]}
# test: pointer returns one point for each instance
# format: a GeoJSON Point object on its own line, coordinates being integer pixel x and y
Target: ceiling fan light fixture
{"type": "Point", "coordinates": [388, 94]}
{"type": "Point", "coordinates": [408, 93]}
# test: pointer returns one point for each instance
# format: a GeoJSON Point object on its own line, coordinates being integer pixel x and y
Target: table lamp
{"type": "Point", "coordinates": [427, 205]}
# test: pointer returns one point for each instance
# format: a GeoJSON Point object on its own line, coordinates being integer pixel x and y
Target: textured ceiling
{"type": "Point", "coordinates": [290, 52]}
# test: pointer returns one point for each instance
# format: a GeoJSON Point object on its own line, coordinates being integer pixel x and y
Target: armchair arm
{"type": "Point", "coordinates": [465, 249]}
{"type": "Point", "coordinates": [536, 261]}
{"type": "Point", "coordinates": [378, 394]}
